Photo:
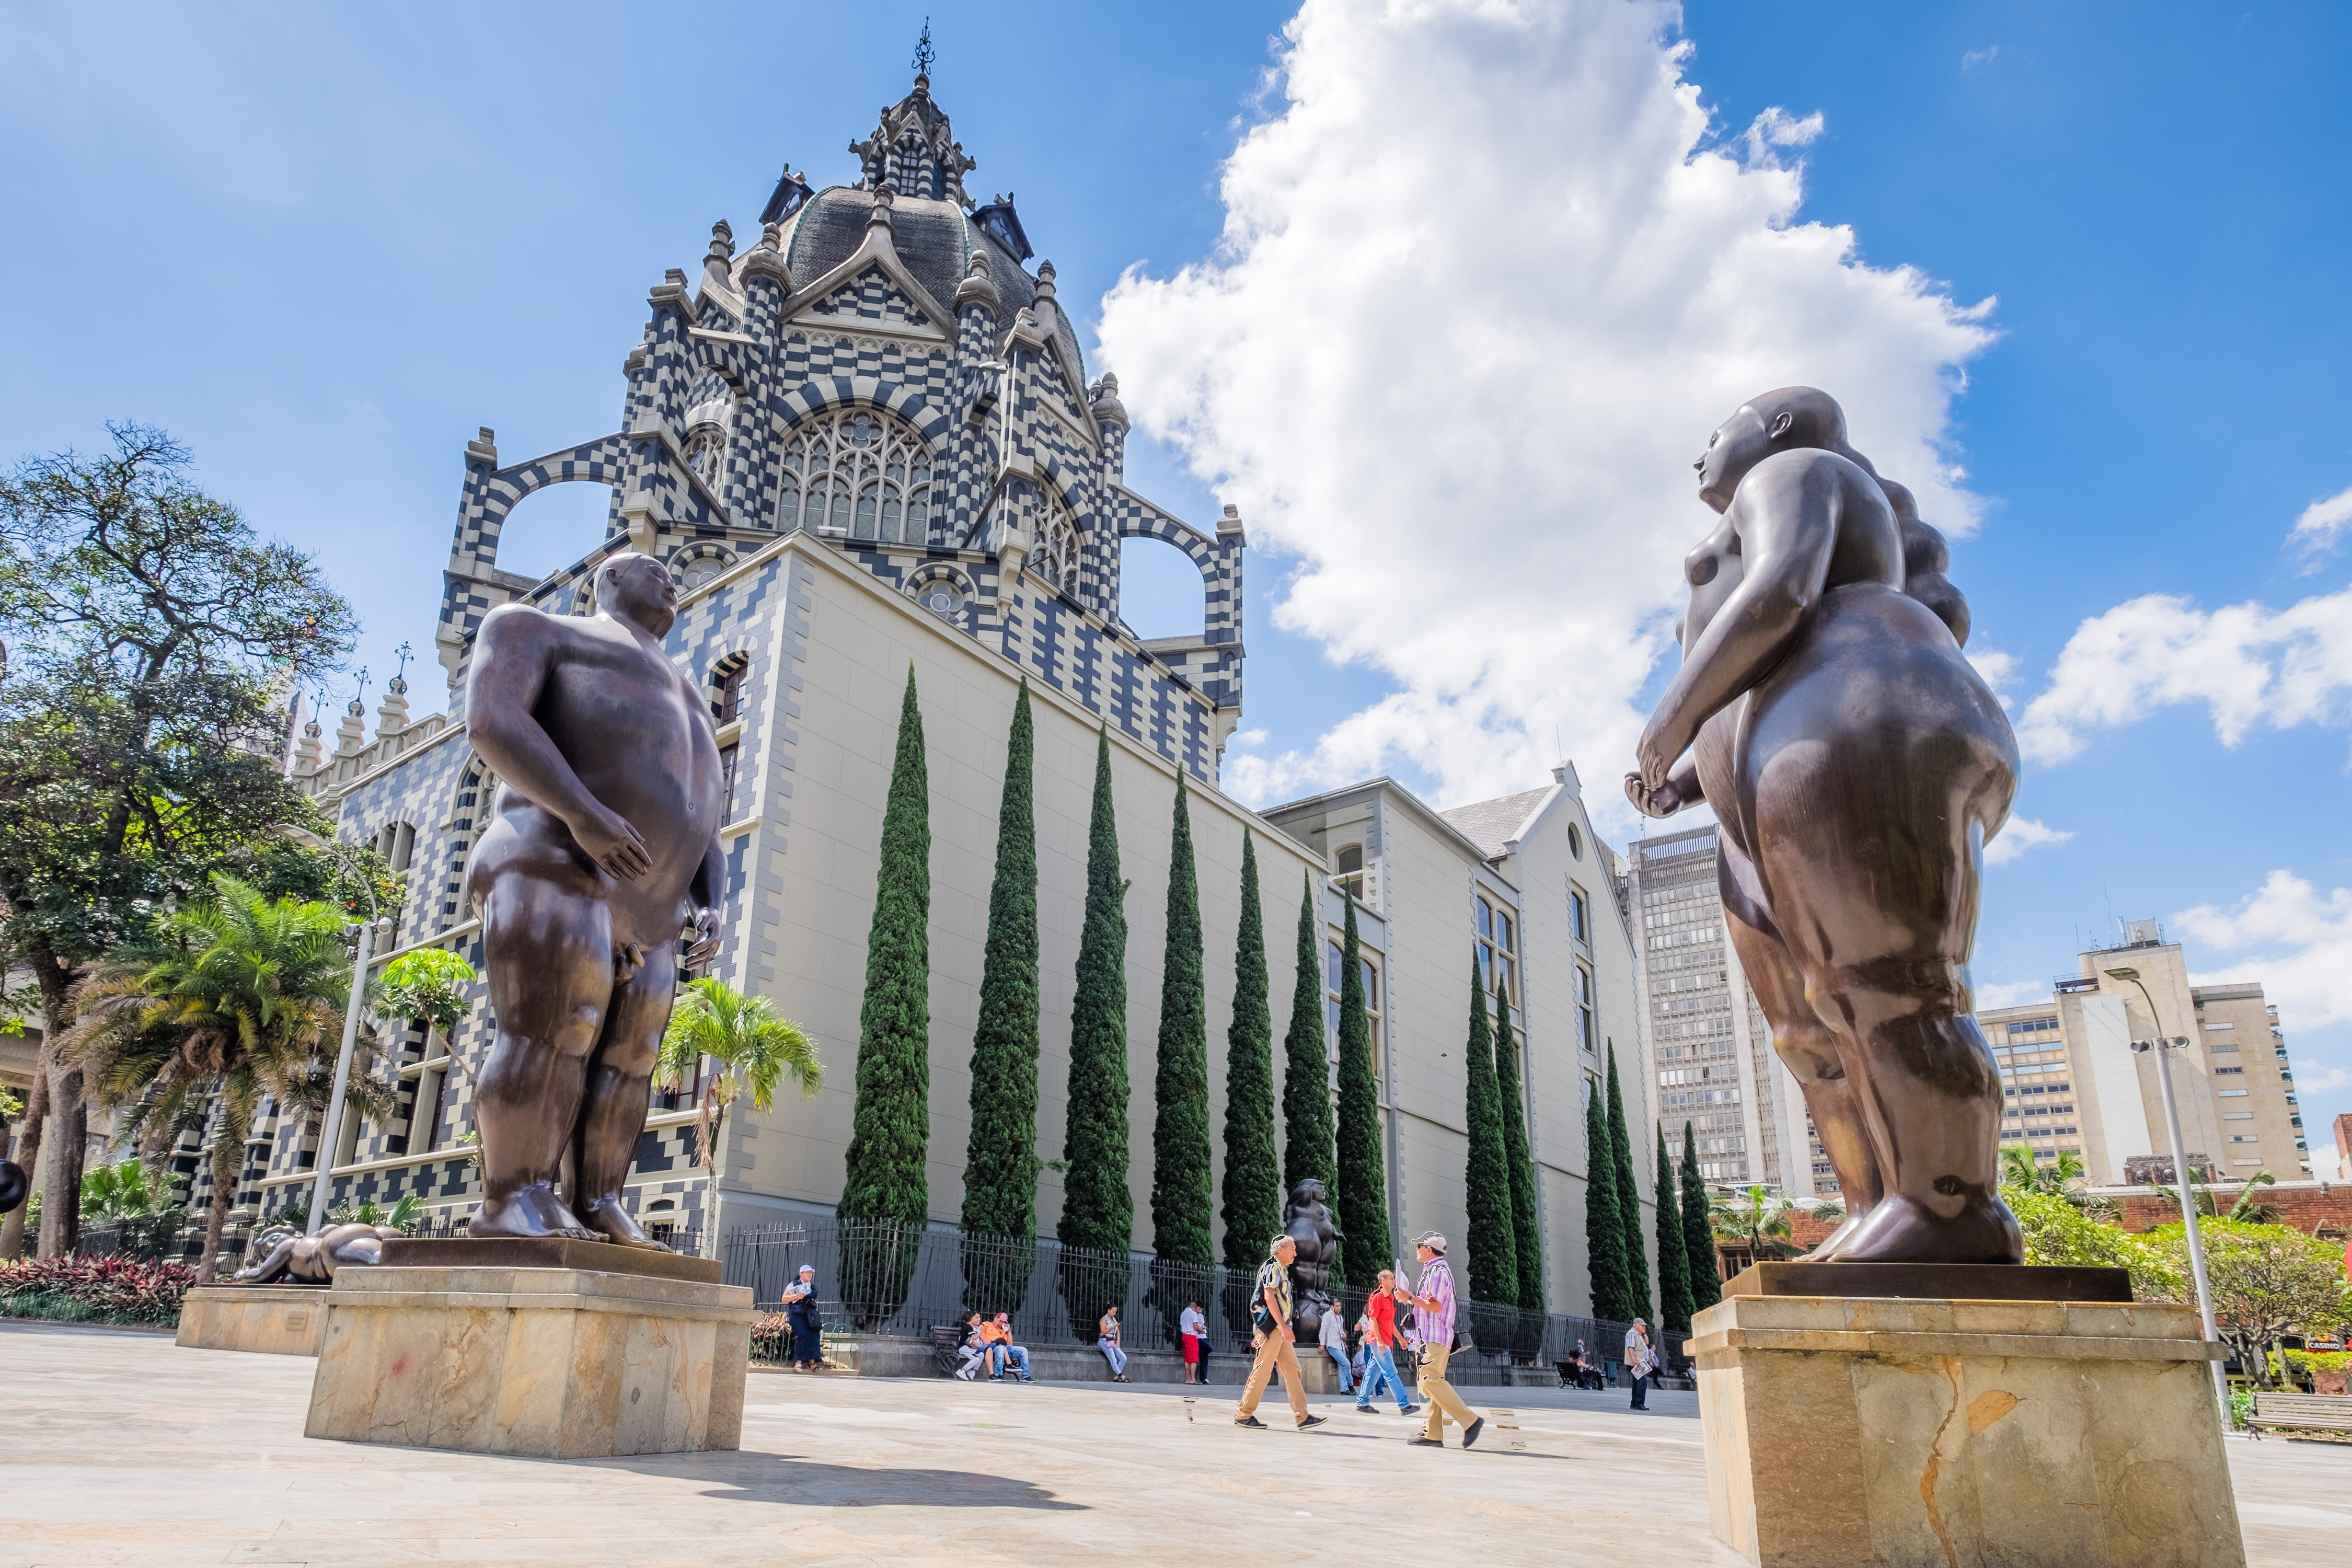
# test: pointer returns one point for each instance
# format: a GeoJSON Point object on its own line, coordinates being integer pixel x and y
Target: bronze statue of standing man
{"type": "Point", "coordinates": [1857, 763]}
{"type": "Point", "coordinates": [604, 846]}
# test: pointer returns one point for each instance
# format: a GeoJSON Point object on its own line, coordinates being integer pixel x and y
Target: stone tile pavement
{"type": "Point", "coordinates": [119, 1448]}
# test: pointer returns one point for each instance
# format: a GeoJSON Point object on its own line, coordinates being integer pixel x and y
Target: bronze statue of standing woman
{"type": "Point", "coordinates": [1857, 763]}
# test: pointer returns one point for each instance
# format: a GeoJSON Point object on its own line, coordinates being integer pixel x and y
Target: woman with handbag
{"type": "Point", "coordinates": [1433, 1301]}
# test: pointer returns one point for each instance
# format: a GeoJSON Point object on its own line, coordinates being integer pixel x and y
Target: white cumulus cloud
{"type": "Point", "coordinates": [2320, 525]}
{"type": "Point", "coordinates": [2021, 834]}
{"type": "Point", "coordinates": [1487, 281]}
{"type": "Point", "coordinates": [1998, 994]}
{"type": "Point", "coordinates": [2250, 664]}
{"type": "Point", "coordinates": [2296, 943]}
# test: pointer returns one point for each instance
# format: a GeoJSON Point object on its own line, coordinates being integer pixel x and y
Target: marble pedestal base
{"type": "Point", "coordinates": [274, 1320]}
{"type": "Point", "coordinates": [561, 1362]}
{"type": "Point", "coordinates": [1955, 1434]}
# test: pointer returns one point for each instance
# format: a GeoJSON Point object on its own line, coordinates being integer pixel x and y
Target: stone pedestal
{"type": "Point", "coordinates": [1955, 1434]}
{"type": "Point", "coordinates": [534, 1349]}
{"type": "Point", "coordinates": [274, 1320]}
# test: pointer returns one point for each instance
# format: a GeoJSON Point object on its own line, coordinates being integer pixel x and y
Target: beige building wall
{"type": "Point", "coordinates": [2073, 1082]}
{"type": "Point", "coordinates": [1421, 877]}
{"type": "Point", "coordinates": [815, 859]}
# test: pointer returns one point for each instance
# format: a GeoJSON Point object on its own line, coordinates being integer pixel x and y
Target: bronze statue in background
{"type": "Point", "coordinates": [1307, 1221]}
{"type": "Point", "coordinates": [1857, 763]}
{"type": "Point", "coordinates": [605, 844]}
{"type": "Point", "coordinates": [287, 1254]}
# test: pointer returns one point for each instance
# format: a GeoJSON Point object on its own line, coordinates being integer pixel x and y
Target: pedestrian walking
{"type": "Point", "coordinates": [801, 1317]}
{"type": "Point", "coordinates": [1379, 1347]}
{"type": "Point", "coordinates": [1640, 1361]}
{"type": "Point", "coordinates": [1270, 1318]}
{"type": "Point", "coordinates": [1106, 1342]}
{"type": "Point", "coordinates": [1332, 1333]}
{"type": "Point", "coordinates": [1433, 1300]}
{"type": "Point", "coordinates": [1194, 1327]}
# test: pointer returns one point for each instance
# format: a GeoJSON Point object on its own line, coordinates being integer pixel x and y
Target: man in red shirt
{"type": "Point", "coordinates": [1380, 1346]}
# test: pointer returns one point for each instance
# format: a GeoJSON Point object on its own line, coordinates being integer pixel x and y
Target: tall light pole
{"type": "Point", "coordinates": [2158, 1046]}
{"type": "Point", "coordinates": [330, 1130]}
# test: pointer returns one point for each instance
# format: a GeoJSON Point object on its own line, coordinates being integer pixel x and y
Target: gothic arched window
{"type": "Point", "coordinates": [1058, 544]}
{"type": "Point", "coordinates": [706, 449]}
{"type": "Point", "coordinates": [859, 472]}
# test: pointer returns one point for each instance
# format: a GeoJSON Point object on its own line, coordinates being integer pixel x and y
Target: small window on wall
{"type": "Point", "coordinates": [1584, 1018]}
{"type": "Point", "coordinates": [1334, 966]}
{"type": "Point", "coordinates": [726, 687]}
{"type": "Point", "coordinates": [1350, 879]}
{"type": "Point", "coordinates": [1580, 914]}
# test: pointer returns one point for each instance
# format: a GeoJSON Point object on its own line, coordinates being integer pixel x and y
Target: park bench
{"type": "Point", "coordinates": [947, 1347]}
{"type": "Point", "coordinates": [2301, 1412]}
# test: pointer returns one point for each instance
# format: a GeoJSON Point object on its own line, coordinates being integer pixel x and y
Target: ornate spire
{"type": "Point", "coordinates": [914, 149]}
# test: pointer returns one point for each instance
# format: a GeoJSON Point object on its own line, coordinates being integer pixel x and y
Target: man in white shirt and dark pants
{"type": "Point", "coordinates": [1640, 1361]}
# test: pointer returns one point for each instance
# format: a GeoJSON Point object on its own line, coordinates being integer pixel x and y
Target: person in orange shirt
{"type": "Point", "coordinates": [1001, 1349]}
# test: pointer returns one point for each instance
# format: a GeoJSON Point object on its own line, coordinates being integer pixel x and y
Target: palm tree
{"type": "Point", "coordinates": [233, 1007]}
{"type": "Point", "coordinates": [2058, 1178]}
{"type": "Point", "coordinates": [753, 1047]}
{"type": "Point", "coordinates": [1758, 1219]}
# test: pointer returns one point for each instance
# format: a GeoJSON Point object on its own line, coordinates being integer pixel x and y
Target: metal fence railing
{"type": "Point", "coordinates": [881, 1278]}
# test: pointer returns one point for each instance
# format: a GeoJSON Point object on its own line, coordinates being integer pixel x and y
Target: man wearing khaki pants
{"type": "Point", "coordinates": [1271, 1311]}
{"type": "Point", "coordinates": [1433, 1300]}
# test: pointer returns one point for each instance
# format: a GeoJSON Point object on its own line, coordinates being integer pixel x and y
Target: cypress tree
{"type": "Point", "coordinates": [890, 1129]}
{"type": "Point", "coordinates": [1182, 1189]}
{"type": "Point", "coordinates": [1253, 1192]}
{"type": "Point", "coordinates": [1486, 1180]}
{"type": "Point", "coordinates": [1699, 1232]}
{"type": "Point", "coordinates": [1000, 1177]}
{"type": "Point", "coordinates": [1526, 1231]}
{"type": "Point", "coordinates": [1098, 1210]}
{"type": "Point", "coordinates": [1363, 1179]}
{"type": "Point", "coordinates": [1629, 1198]}
{"type": "Point", "coordinates": [1604, 1233]}
{"type": "Point", "coordinates": [1306, 1068]}
{"type": "Point", "coordinates": [1674, 1258]}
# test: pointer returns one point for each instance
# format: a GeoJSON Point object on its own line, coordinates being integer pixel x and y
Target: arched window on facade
{"type": "Point", "coordinates": [1056, 559]}
{"type": "Point", "coordinates": [706, 452]}
{"type": "Point", "coordinates": [860, 473]}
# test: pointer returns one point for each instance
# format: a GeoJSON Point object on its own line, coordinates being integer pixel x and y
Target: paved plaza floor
{"type": "Point", "coordinates": [120, 1448]}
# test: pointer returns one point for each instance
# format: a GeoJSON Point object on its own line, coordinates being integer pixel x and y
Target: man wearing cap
{"type": "Point", "coordinates": [1433, 1300]}
{"type": "Point", "coordinates": [1272, 1319]}
{"type": "Point", "coordinates": [1001, 1349]}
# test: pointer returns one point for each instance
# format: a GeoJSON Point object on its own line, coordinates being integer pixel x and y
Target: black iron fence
{"type": "Point", "coordinates": [881, 1278]}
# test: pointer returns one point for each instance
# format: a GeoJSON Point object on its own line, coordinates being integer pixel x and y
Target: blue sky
{"type": "Point", "coordinates": [323, 246]}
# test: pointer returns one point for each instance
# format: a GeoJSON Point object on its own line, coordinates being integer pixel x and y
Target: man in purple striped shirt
{"type": "Point", "coordinates": [1433, 1301]}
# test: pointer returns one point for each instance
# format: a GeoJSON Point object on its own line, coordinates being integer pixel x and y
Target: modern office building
{"type": "Point", "coordinates": [1708, 1038]}
{"type": "Point", "coordinates": [2073, 1082]}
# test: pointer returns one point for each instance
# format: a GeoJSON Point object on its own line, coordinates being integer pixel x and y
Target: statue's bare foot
{"type": "Point", "coordinates": [614, 1223]}
{"type": "Point", "coordinates": [531, 1210]}
{"type": "Point", "coordinates": [1900, 1229]}
{"type": "Point", "coordinates": [1833, 1245]}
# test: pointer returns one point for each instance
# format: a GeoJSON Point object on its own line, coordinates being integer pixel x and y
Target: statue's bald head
{"type": "Point", "coordinates": [1803, 416]}
{"type": "Point", "coordinates": [638, 589]}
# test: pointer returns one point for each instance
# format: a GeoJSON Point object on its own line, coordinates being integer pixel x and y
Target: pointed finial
{"type": "Point", "coordinates": [403, 654]}
{"type": "Point", "coordinates": [722, 241]}
{"type": "Point", "coordinates": [924, 53]}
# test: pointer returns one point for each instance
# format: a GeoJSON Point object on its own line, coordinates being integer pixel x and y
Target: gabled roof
{"type": "Point", "coordinates": [1492, 824]}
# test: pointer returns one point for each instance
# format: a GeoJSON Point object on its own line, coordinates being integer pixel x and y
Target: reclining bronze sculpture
{"type": "Point", "coordinates": [1857, 763]}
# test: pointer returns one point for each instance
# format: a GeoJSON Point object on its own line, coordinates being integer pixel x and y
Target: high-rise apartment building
{"type": "Point", "coordinates": [1708, 1038]}
{"type": "Point", "coordinates": [2072, 1081]}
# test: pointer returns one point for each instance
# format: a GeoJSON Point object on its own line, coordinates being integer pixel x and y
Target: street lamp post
{"type": "Point", "coordinates": [2158, 1046]}
{"type": "Point", "coordinates": [330, 1130]}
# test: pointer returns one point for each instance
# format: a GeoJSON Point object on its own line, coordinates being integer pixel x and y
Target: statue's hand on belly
{"type": "Point", "coordinates": [610, 841]}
